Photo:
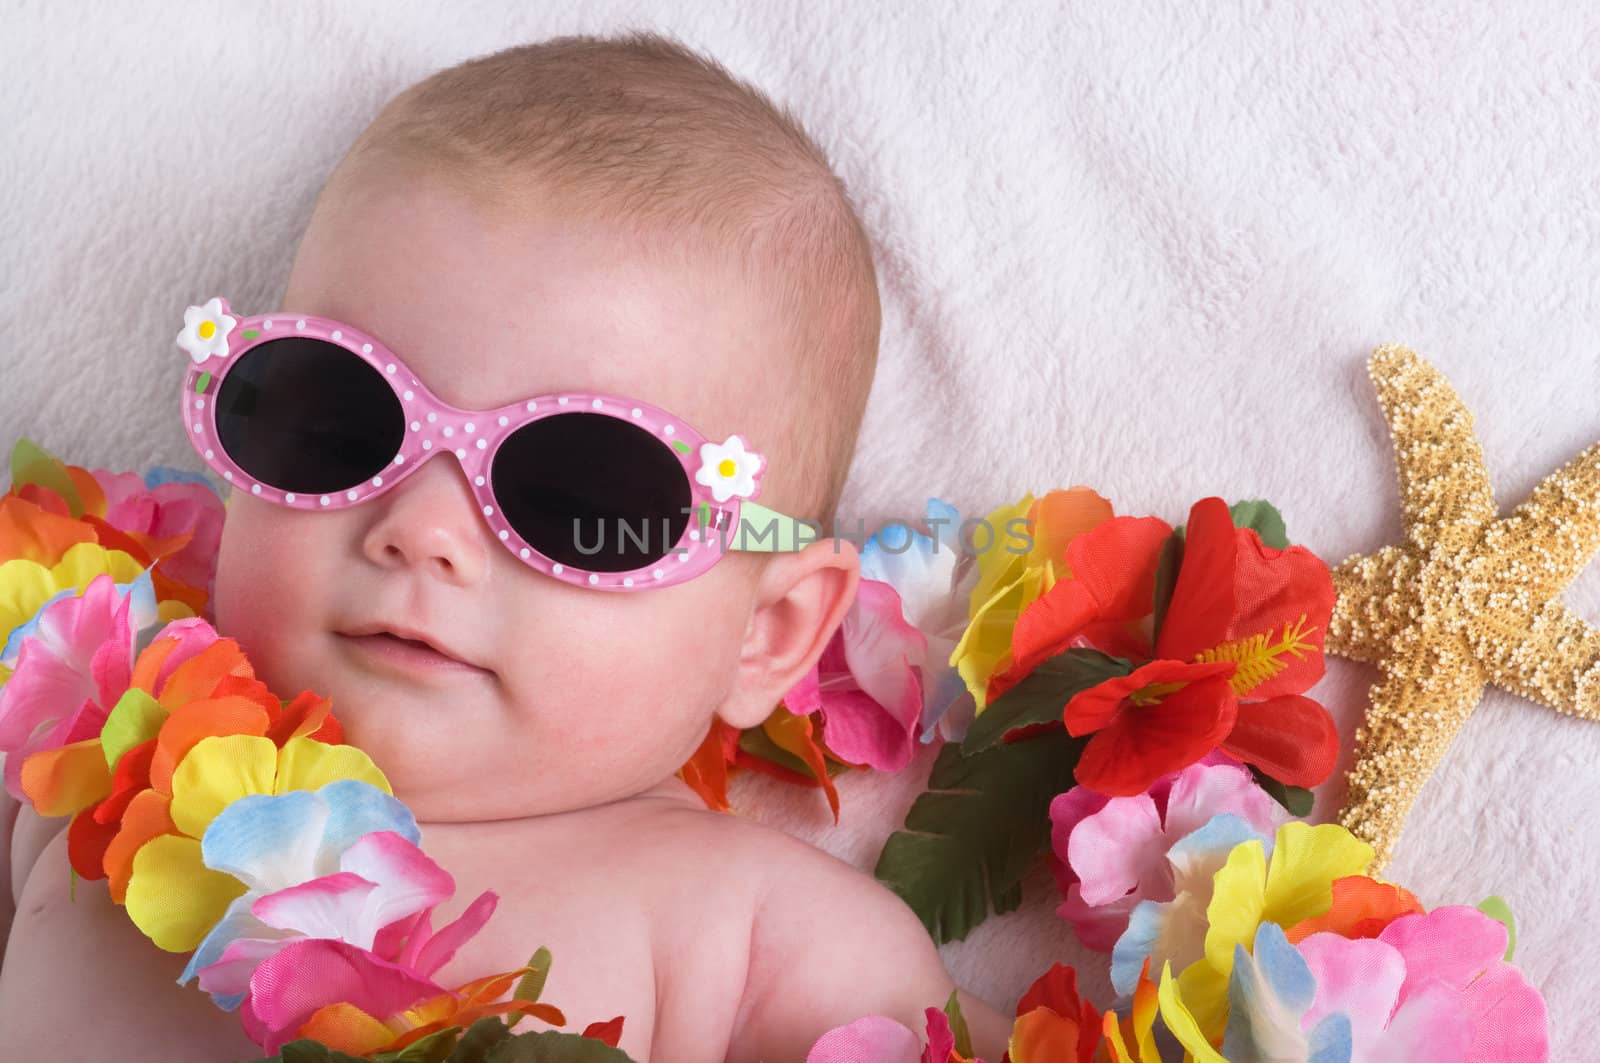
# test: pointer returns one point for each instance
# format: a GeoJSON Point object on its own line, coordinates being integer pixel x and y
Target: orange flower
{"type": "Point", "coordinates": [794, 734]}
{"type": "Point", "coordinates": [1362, 908]}
{"type": "Point", "coordinates": [706, 771]}
{"type": "Point", "coordinates": [372, 1005]}
{"type": "Point", "coordinates": [1055, 1025]}
{"type": "Point", "coordinates": [1137, 1029]}
{"type": "Point", "coordinates": [36, 534]}
{"type": "Point", "coordinates": [172, 528]}
{"type": "Point", "coordinates": [344, 1027]}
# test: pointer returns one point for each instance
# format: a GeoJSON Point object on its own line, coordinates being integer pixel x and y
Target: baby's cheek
{"type": "Point", "coordinates": [647, 680]}
{"type": "Point", "coordinates": [264, 597]}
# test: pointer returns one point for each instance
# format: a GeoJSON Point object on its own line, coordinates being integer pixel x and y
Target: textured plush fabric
{"type": "Point", "coordinates": [1146, 250]}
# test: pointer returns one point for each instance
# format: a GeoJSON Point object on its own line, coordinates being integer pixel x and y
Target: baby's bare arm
{"type": "Point", "coordinates": [81, 982]}
{"type": "Point", "coordinates": [831, 945]}
{"type": "Point", "coordinates": [8, 901]}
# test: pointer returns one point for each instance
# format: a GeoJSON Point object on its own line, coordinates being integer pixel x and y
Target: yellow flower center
{"type": "Point", "coordinates": [207, 329]}
{"type": "Point", "coordinates": [1259, 660]}
{"type": "Point", "coordinates": [727, 468]}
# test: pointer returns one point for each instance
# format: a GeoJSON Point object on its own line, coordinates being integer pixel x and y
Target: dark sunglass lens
{"type": "Point", "coordinates": [306, 415]}
{"type": "Point", "coordinates": [592, 491]}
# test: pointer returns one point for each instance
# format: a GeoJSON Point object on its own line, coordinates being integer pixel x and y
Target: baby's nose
{"type": "Point", "coordinates": [430, 521]}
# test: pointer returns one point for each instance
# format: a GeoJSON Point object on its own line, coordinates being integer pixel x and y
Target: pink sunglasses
{"type": "Point", "coordinates": [596, 490]}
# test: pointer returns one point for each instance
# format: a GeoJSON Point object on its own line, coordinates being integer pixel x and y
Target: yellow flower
{"type": "Point", "coordinates": [1137, 1029]}
{"type": "Point", "coordinates": [1008, 582]}
{"type": "Point", "coordinates": [1182, 1022]}
{"type": "Point", "coordinates": [1248, 891]}
{"type": "Point", "coordinates": [26, 585]}
{"type": "Point", "coordinates": [172, 896]}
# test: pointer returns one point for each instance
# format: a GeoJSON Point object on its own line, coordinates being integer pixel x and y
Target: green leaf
{"type": "Point", "coordinates": [479, 1038]}
{"type": "Point", "coordinates": [250, 333]}
{"type": "Point", "coordinates": [1297, 799]}
{"type": "Point", "coordinates": [434, 1048]}
{"type": "Point", "coordinates": [1167, 565]}
{"type": "Point", "coordinates": [758, 743]}
{"type": "Point", "coordinates": [532, 983]}
{"type": "Point", "coordinates": [1041, 695]}
{"type": "Point", "coordinates": [552, 1046]}
{"type": "Point", "coordinates": [958, 1023]}
{"type": "Point", "coordinates": [203, 381]}
{"type": "Point", "coordinates": [1497, 909]}
{"type": "Point", "coordinates": [681, 447]}
{"type": "Point", "coordinates": [970, 838]}
{"type": "Point", "coordinates": [134, 719]}
{"type": "Point", "coordinates": [32, 464]}
{"type": "Point", "coordinates": [308, 1051]}
{"type": "Point", "coordinates": [1261, 515]}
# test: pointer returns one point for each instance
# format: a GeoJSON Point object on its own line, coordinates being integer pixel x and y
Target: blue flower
{"type": "Point", "coordinates": [1268, 995]}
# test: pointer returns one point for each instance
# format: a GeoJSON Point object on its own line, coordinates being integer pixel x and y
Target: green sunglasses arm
{"type": "Point", "coordinates": [763, 530]}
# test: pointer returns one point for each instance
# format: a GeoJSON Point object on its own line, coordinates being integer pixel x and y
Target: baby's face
{"type": "Point", "coordinates": [568, 697]}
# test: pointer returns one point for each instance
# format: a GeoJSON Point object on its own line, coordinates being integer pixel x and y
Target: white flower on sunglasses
{"type": "Point", "coordinates": [728, 469]}
{"type": "Point", "coordinates": [205, 331]}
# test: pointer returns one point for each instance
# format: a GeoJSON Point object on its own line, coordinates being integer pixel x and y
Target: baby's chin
{"type": "Point", "coordinates": [456, 762]}
{"type": "Point", "coordinates": [464, 747]}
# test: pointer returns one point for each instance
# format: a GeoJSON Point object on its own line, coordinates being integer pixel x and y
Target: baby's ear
{"type": "Point", "coordinates": [800, 600]}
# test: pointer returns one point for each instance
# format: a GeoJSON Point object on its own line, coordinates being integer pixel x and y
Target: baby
{"type": "Point", "coordinates": [606, 216]}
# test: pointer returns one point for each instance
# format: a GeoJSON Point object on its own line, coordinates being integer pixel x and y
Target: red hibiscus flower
{"type": "Point", "coordinates": [1240, 642]}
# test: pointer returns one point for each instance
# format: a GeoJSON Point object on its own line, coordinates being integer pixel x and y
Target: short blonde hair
{"type": "Point", "coordinates": [642, 130]}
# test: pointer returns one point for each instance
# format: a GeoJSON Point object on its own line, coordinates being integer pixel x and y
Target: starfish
{"type": "Point", "coordinates": [1468, 599]}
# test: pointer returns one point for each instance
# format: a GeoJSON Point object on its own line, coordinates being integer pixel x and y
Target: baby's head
{"type": "Point", "coordinates": [616, 216]}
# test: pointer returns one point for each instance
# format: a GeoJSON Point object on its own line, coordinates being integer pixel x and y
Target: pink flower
{"type": "Point", "coordinates": [866, 682]}
{"type": "Point", "coordinates": [165, 510]}
{"type": "Point", "coordinates": [381, 899]}
{"type": "Point", "coordinates": [880, 1039]}
{"type": "Point", "coordinates": [356, 1002]}
{"type": "Point", "coordinates": [71, 669]}
{"type": "Point", "coordinates": [1111, 852]}
{"type": "Point", "coordinates": [1430, 986]}
{"type": "Point", "coordinates": [1461, 949]}
{"type": "Point", "coordinates": [870, 1039]}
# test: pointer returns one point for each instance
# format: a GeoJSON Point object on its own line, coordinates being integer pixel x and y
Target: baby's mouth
{"type": "Point", "coordinates": [404, 650]}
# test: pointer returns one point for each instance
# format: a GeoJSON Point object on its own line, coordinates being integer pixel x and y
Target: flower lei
{"type": "Point", "coordinates": [229, 823]}
{"type": "Point", "coordinates": [1125, 699]}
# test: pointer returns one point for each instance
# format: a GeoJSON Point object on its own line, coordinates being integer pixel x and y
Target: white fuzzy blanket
{"type": "Point", "coordinates": [1146, 250]}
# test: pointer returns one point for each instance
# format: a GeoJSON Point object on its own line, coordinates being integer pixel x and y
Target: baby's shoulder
{"type": "Point", "coordinates": [784, 876]}
{"type": "Point", "coordinates": [747, 856]}
{"type": "Point", "coordinates": [828, 944]}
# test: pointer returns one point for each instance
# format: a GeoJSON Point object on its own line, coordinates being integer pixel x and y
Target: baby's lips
{"type": "Point", "coordinates": [409, 634]}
